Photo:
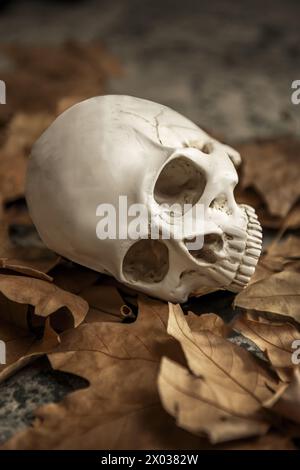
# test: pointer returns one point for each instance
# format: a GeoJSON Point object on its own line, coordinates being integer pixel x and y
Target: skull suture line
{"type": "Point", "coordinates": [119, 145]}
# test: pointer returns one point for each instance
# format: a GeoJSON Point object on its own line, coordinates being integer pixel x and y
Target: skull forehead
{"type": "Point", "coordinates": [99, 118]}
{"type": "Point", "coordinates": [100, 134]}
{"type": "Point", "coordinates": [103, 129]}
{"type": "Point", "coordinates": [160, 123]}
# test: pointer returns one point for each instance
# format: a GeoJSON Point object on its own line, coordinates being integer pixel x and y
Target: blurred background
{"type": "Point", "coordinates": [226, 65]}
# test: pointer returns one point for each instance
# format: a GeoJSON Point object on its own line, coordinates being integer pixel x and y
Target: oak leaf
{"type": "Point", "coordinates": [221, 393]}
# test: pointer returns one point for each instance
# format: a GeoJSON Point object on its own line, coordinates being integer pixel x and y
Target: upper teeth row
{"type": "Point", "coordinates": [252, 250]}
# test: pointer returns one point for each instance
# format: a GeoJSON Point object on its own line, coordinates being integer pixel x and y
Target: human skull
{"type": "Point", "coordinates": [113, 145]}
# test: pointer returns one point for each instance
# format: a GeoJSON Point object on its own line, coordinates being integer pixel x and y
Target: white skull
{"type": "Point", "coordinates": [109, 146]}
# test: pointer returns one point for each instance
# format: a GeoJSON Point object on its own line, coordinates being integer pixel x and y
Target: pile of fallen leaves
{"type": "Point", "coordinates": [159, 376]}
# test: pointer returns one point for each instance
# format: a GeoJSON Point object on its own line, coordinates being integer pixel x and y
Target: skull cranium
{"type": "Point", "coordinates": [109, 146]}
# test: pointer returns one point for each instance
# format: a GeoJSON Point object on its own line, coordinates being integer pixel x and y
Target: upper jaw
{"type": "Point", "coordinates": [238, 258]}
{"type": "Point", "coordinates": [251, 252]}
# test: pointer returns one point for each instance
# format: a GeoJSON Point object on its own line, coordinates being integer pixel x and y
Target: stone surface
{"type": "Point", "coordinates": [33, 386]}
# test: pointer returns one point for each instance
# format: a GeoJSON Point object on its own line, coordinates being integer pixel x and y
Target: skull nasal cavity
{"type": "Point", "coordinates": [213, 243]}
{"type": "Point", "coordinates": [146, 261]}
{"type": "Point", "coordinates": [180, 182]}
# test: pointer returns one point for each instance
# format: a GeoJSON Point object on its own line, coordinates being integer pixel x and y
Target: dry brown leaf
{"type": "Point", "coordinates": [222, 392]}
{"type": "Point", "coordinates": [279, 293]}
{"type": "Point", "coordinates": [272, 168]}
{"type": "Point", "coordinates": [121, 408]}
{"type": "Point", "coordinates": [209, 322]}
{"type": "Point", "coordinates": [46, 297]}
{"type": "Point", "coordinates": [274, 338]}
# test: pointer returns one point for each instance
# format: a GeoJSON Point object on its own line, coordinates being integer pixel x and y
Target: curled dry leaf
{"type": "Point", "coordinates": [222, 391]}
{"type": "Point", "coordinates": [275, 338]}
{"type": "Point", "coordinates": [46, 297]}
{"type": "Point", "coordinates": [279, 293]}
{"type": "Point", "coordinates": [121, 407]}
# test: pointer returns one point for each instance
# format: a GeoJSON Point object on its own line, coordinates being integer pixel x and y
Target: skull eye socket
{"type": "Point", "coordinates": [146, 261]}
{"type": "Point", "coordinates": [180, 182]}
